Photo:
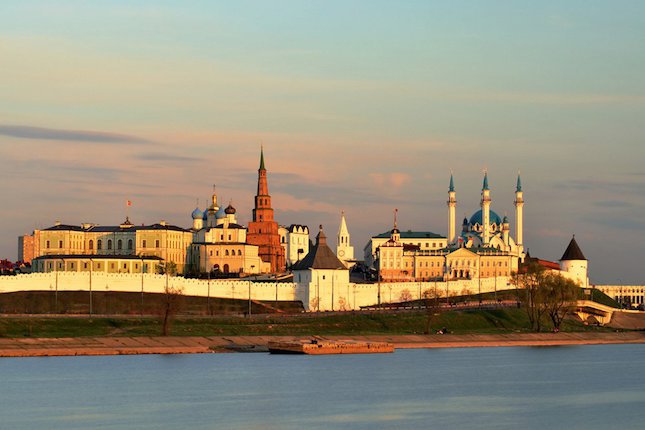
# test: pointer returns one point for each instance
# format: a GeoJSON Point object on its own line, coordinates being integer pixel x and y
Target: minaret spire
{"type": "Point", "coordinates": [519, 214]}
{"type": "Point", "coordinates": [452, 207]}
{"type": "Point", "coordinates": [485, 204]}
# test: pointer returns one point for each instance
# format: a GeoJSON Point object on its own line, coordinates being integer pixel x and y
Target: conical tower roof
{"type": "Point", "coordinates": [320, 257]}
{"type": "Point", "coordinates": [573, 251]}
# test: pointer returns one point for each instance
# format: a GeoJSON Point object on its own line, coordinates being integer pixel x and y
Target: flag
{"type": "Point", "coordinates": [128, 203]}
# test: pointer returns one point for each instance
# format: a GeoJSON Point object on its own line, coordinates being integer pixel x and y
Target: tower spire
{"type": "Point", "coordinates": [519, 182]}
{"type": "Point", "coordinates": [452, 206]}
{"type": "Point", "coordinates": [262, 158]}
{"type": "Point", "coordinates": [485, 205]}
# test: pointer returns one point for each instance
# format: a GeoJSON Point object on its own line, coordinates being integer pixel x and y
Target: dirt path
{"type": "Point", "coordinates": [27, 347]}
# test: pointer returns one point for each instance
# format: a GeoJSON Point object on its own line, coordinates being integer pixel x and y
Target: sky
{"type": "Point", "coordinates": [362, 106]}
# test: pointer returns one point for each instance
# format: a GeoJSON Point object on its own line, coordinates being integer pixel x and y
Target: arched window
{"type": "Point", "coordinates": [157, 243]}
{"type": "Point", "coordinates": [119, 244]}
{"type": "Point", "coordinates": [60, 243]}
{"type": "Point", "coordinates": [99, 244]}
{"type": "Point", "coordinates": [130, 244]}
{"type": "Point", "coordinates": [144, 243]}
{"type": "Point", "coordinates": [239, 252]}
{"type": "Point", "coordinates": [91, 244]}
{"type": "Point", "coordinates": [226, 268]}
{"type": "Point", "coordinates": [226, 252]}
{"type": "Point", "coordinates": [109, 244]}
{"type": "Point", "coordinates": [47, 244]}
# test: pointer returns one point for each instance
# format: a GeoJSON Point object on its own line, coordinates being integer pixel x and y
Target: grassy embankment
{"type": "Point", "coordinates": [471, 321]}
{"type": "Point", "coordinates": [195, 322]}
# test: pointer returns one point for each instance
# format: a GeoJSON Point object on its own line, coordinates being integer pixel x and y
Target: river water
{"type": "Point", "coordinates": [590, 387]}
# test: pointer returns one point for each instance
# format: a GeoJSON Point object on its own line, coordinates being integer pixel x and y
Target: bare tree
{"type": "Point", "coordinates": [433, 308]}
{"type": "Point", "coordinates": [172, 300]}
{"type": "Point", "coordinates": [405, 296]}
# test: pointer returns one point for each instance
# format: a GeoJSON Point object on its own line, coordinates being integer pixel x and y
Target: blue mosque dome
{"type": "Point", "coordinates": [197, 214]}
{"type": "Point", "coordinates": [477, 218]}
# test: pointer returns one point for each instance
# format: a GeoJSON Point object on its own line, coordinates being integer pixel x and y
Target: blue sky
{"type": "Point", "coordinates": [361, 106]}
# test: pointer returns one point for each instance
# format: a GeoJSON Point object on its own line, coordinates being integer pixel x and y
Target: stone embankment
{"type": "Point", "coordinates": [29, 347]}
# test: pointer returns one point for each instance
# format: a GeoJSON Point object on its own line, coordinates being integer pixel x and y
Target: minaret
{"type": "Point", "coordinates": [485, 204]}
{"type": "Point", "coordinates": [519, 206]}
{"type": "Point", "coordinates": [452, 206]}
{"type": "Point", "coordinates": [263, 230]}
{"type": "Point", "coordinates": [506, 229]}
{"type": "Point", "coordinates": [344, 250]}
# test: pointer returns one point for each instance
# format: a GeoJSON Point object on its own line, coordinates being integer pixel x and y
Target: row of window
{"type": "Point", "coordinates": [119, 243]}
{"type": "Point", "coordinates": [97, 265]}
{"type": "Point", "coordinates": [226, 253]}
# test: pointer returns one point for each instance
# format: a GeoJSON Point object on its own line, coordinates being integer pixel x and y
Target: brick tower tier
{"type": "Point", "coordinates": [263, 230]}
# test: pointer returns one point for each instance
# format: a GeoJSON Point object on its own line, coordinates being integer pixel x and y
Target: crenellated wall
{"type": "Point", "coordinates": [341, 295]}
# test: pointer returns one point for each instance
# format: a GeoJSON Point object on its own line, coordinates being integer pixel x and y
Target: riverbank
{"type": "Point", "coordinates": [45, 347]}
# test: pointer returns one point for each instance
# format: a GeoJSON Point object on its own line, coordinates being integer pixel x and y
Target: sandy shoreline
{"type": "Point", "coordinates": [45, 347]}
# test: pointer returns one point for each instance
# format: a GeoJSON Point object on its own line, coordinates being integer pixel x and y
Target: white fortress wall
{"type": "Point", "coordinates": [346, 296]}
{"type": "Point", "coordinates": [151, 283]}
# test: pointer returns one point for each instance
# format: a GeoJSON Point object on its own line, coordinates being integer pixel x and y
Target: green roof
{"type": "Point", "coordinates": [413, 235]}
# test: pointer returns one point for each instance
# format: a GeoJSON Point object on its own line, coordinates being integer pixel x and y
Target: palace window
{"type": "Point", "coordinates": [91, 244]}
{"type": "Point", "coordinates": [130, 244]}
{"type": "Point", "coordinates": [99, 244]}
{"type": "Point", "coordinates": [157, 243]}
{"type": "Point", "coordinates": [119, 244]}
{"type": "Point", "coordinates": [109, 243]}
{"type": "Point", "coordinates": [144, 244]}
{"type": "Point", "coordinates": [239, 252]}
{"type": "Point", "coordinates": [47, 244]}
{"type": "Point", "coordinates": [60, 243]}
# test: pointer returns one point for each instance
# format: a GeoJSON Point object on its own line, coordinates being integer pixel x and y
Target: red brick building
{"type": "Point", "coordinates": [263, 230]}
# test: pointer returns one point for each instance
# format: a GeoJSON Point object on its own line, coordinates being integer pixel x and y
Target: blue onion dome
{"type": "Point", "coordinates": [221, 213]}
{"type": "Point", "coordinates": [205, 214]}
{"type": "Point", "coordinates": [477, 218]}
{"type": "Point", "coordinates": [197, 214]}
{"type": "Point", "coordinates": [230, 210]}
{"type": "Point", "coordinates": [505, 219]}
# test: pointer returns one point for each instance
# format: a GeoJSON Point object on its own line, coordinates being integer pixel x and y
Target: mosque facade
{"type": "Point", "coordinates": [484, 247]}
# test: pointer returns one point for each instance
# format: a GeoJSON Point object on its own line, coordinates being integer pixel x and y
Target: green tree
{"type": "Point", "coordinates": [560, 295]}
{"type": "Point", "coordinates": [545, 294]}
{"type": "Point", "coordinates": [530, 280]}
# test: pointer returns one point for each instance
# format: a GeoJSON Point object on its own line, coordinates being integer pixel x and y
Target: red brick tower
{"type": "Point", "coordinates": [263, 230]}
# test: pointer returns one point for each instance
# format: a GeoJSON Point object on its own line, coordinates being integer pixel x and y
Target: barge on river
{"type": "Point", "coordinates": [320, 347]}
